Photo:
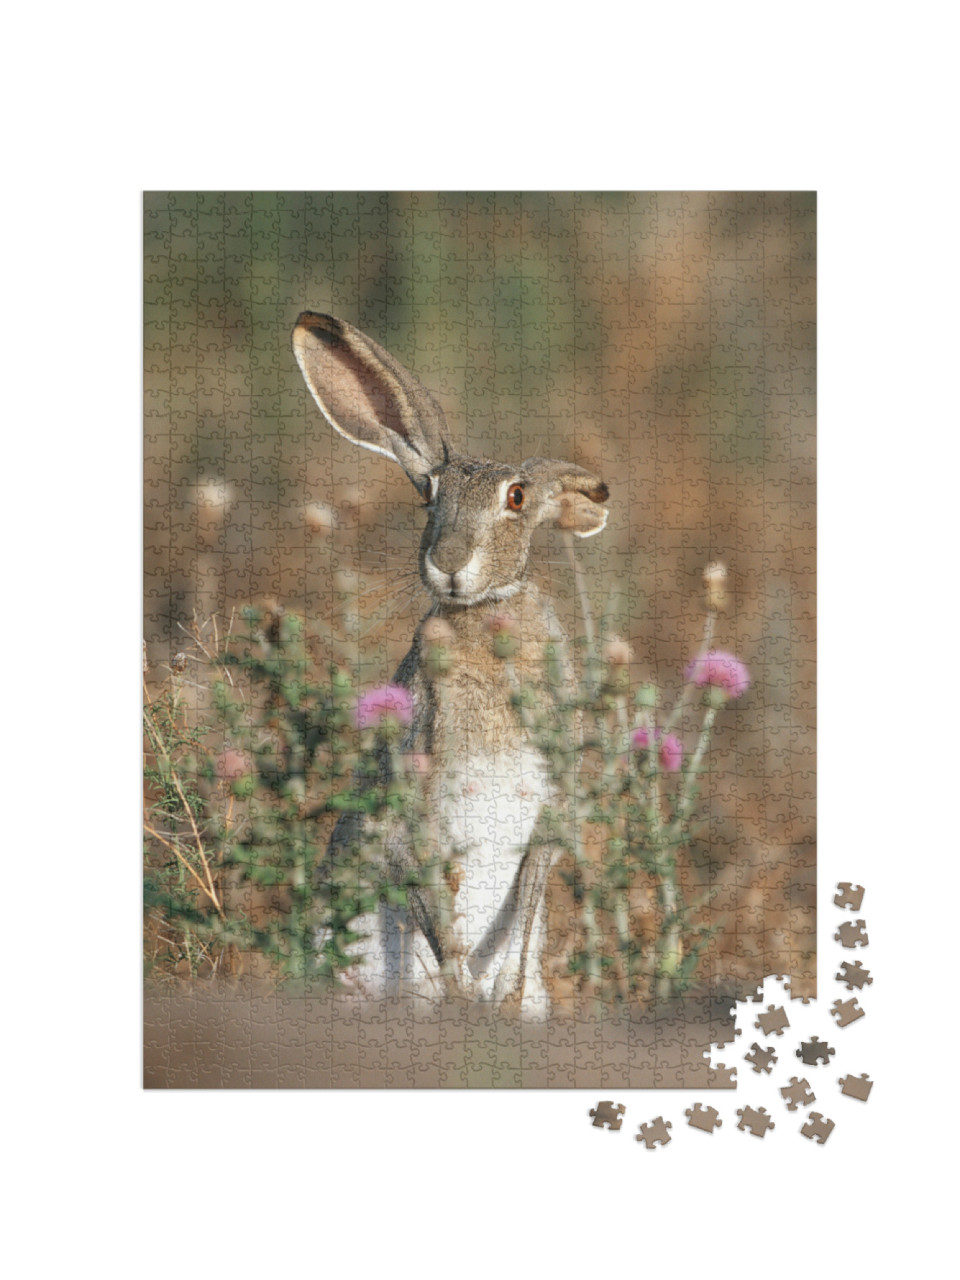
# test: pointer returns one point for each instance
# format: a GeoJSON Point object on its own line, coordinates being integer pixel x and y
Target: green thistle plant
{"type": "Point", "coordinates": [251, 754]}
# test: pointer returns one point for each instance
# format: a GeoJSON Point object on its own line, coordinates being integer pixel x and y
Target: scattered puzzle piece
{"type": "Point", "coordinates": [761, 1059]}
{"type": "Point", "coordinates": [813, 1051]}
{"type": "Point", "coordinates": [654, 1132]}
{"type": "Point", "coordinates": [852, 933]}
{"type": "Point", "coordinates": [706, 1118]}
{"type": "Point", "coordinates": [850, 895]}
{"type": "Point", "coordinates": [609, 1114]}
{"type": "Point", "coordinates": [854, 975]}
{"type": "Point", "coordinates": [856, 1086]}
{"type": "Point", "coordinates": [757, 1121]}
{"type": "Point", "coordinates": [797, 1094]}
{"type": "Point", "coordinates": [817, 1127]}
{"type": "Point", "coordinates": [773, 1022]}
{"type": "Point", "coordinates": [847, 1011]}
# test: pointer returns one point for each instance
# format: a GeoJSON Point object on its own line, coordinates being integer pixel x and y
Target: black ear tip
{"type": "Point", "coordinates": [324, 328]}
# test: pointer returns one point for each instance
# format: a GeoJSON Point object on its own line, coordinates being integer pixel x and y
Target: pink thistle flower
{"type": "Point", "coordinates": [671, 753]}
{"type": "Point", "coordinates": [722, 671]}
{"type": "Point", "coordinates": [389, 701]}
{"type": "Point", "coordinates": [671, 748]}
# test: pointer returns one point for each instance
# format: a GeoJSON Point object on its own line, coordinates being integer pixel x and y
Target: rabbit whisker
{"type": "Point", "coordinates": [397, 610]}
{"type": "Point", "coordinates": [387, 588]}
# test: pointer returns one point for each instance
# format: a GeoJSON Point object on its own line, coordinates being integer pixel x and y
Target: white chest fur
{"type": "Point", "coordinates": [489, 806]}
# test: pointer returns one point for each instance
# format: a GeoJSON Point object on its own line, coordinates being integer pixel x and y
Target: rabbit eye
{"type": "Point", "coordinates": [515, 497]}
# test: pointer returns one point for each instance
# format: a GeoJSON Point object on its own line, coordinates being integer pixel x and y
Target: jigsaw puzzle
{"type": "Point", "coordinates": [755, 1120]}
{"type": "Point", "coordinates": [761, 1059]}
{"type": "Point", "coordinates": [608, 1114]}
{"type": "Point", "coordinates": [701, 1117]}
{"type": "Point", "coordinates": [854, 975]}
{"type": "Point", "coordinates": [849, 895]}
{"type": "Point", "coordinates": [797, 1094]}
{"type": "Point", "coordinates": [814, 1051]}
{"type": "Point", "coordinates": [852, 934]}
{"type": "Point", "coordinates": [479, 643]}
{"type": "Point", "coordinates": [818, 1128]}
{"type": "Point", "coordinates": [847, 1011]}
{"type": "Point", "coordinates": [856, 1086]}
{"type": "Point", "coordinates": [771, 1084]}
{"type": "Point", "coordinates": [774, 1022]}
{"type": "Point", "coordinates": [655, 1133]}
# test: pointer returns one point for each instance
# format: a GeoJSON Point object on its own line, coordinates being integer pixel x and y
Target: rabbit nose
{"type": "Point", "coordinates": [451, 555]}
{"type": "Point", "coordinates": [464, 580]}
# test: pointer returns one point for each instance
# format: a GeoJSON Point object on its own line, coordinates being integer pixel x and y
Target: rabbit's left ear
{"type": "Point", "coordinates": [575, 497]}
{"type": "Point", "coordinates": [369, 397]}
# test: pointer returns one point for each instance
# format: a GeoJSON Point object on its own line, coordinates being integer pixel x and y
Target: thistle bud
{"type": "Point", "coordinates": [646, 697]}
{"type": "Point", "coordinates": [213, 500]}
{"type": "Point", "coordinates": [438, 639]}
{"type": "Point", "coordinates": [506, 640]}
{"type": "Point", "coordinates": [320, 517]}
{"type": "Point", "coordinates": [617, 655]}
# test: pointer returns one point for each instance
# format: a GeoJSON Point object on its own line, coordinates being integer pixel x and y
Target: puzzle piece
{"type": "Point", "coordinates": [797, 1094]}
{"type": "Point", "coordinates": [854, 975]}
{"type": "Point", "coordinates": [761, 1059]}
{"type": "Point", "coordinates": [706, 1118]}
{"type": "Point", "coordinates": [847, 1011]}
{"type": "Point", "coordinates": [852, 933]}
{"type": "Point", "coordinates": [856, 1086]}
{"type": "Point", "coordinates": [757, 1121]}
{"type": "Point", "coordinates": [773, 1022]}
{"type": "Point", "coordinates": [813, 1051]}
{"type": "Point", "coordinates": [654, 1132]}
{"type": "Point", "coordinates": [817, 1127]}
{"type": "Point", "coordinates": [609, 1114]}
{"type": "Point", "coordinates": [850, 895]}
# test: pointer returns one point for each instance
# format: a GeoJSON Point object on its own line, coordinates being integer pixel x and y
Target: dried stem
{"type": "Point", "coordinates": [708, 629]}
{"type": "Point", "coordinates": [167, 844]}
{"type": "Point", "coordinates": [158, 746]}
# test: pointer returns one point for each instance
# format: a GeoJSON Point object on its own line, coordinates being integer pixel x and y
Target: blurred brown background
{"type": "Point", "coordinates": [664, 340]}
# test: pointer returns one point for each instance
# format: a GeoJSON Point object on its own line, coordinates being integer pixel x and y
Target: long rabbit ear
{"type": "Point", "coordinates": [368, 396]}
{"type": "Point", "coordinates": [575, 496]}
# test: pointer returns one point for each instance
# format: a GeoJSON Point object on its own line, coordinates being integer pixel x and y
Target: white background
{"type": "Point", "coordinates": [102, 101]}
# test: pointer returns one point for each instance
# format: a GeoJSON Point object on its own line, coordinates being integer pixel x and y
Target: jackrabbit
{"type": "Point", "coordinates": [487, 783]}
